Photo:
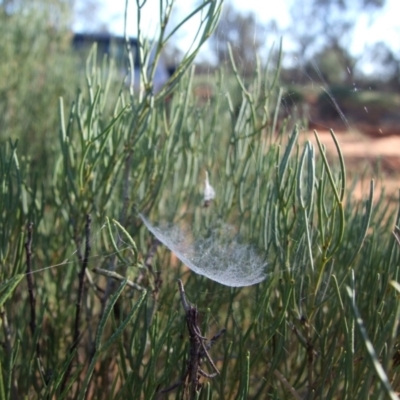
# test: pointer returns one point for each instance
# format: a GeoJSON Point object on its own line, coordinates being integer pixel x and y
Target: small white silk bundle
{"type": "Point", "coordinates": [209, 192]}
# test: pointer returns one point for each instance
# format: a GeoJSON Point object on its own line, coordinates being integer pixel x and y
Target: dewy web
{"type": "Point", "coordinates": [227, 262]}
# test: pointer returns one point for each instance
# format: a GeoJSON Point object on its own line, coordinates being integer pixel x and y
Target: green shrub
{"type": "Point", "coordinates": [89, 301]}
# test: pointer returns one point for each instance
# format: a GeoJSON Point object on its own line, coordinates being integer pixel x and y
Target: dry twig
{"type": "Point", "coordinates": [32, 299]}
{"type": "Point", "coordinates": [197, 353]}
{"type": "Point", "coordinates": [84, 261]}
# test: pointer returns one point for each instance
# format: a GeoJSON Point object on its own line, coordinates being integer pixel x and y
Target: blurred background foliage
{"type": "Point", "coordinates": [38, 64]}
{"type": "Point", "coordinates": [36, 67]}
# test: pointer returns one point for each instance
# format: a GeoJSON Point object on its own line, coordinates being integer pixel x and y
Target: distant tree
{"type": "Point", "coordinates": [243, 33]}
{"type": "Point", "coordinates": [319, 25]}
{"type": "Point", "coordinates": [332, 64]}
{"type": "Point", "coordinates": [386, 63]}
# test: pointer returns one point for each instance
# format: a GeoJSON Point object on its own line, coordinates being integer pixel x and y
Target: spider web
{"type": "Point", "coordinates": [219, 256]}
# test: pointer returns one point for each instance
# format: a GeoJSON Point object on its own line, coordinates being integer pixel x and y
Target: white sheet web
{"type": "Point", "coordinates": [219, 256]}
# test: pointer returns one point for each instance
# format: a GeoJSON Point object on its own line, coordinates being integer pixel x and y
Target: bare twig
{"type": "Point", "coordinates": [307, 342]}
{"type": "Point", "coordinates": [84, 263]}
{"type": "Point", "coordinates": [198, 351]}
{"type": "Point", "coordinates": [32, 299]}
{"type": "Point", "coordinates": [29, 278]}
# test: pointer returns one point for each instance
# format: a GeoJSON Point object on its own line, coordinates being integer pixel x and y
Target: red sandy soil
{"type": "Point", "coordinates": [366, 157]}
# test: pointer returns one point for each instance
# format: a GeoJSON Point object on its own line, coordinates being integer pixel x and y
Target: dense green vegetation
{"type": "Point", "coordinates": [89, 301]}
